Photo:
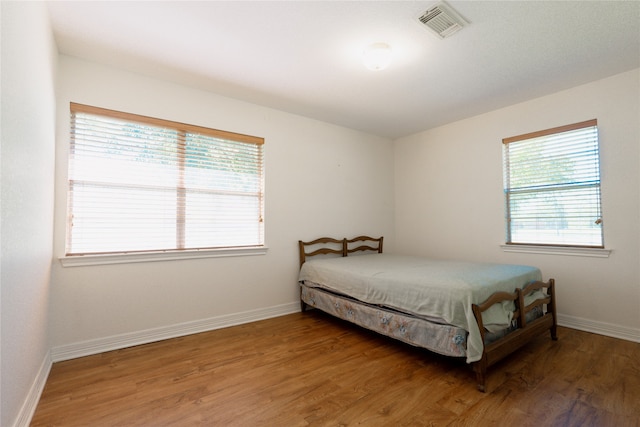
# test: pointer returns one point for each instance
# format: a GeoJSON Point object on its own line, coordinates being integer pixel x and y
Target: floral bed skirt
{"type": "Point", "coordinates": [444, 339]}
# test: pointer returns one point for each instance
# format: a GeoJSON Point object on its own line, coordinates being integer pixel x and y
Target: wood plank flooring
{"type": "Point", "coordinates": [309, 369]}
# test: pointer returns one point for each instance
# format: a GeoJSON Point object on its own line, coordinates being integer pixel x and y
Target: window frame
{"type": "Point", "coordinates": [146, 255]}
{"type": "Point", "coordinates": [551, 247]}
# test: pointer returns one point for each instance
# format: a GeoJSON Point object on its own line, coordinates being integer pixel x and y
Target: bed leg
{"type": "Point", "coordinates": [303, 306]}
{"type": "Point", "coordinates": [551, 291]}
{"type": "Point", "coordinates": [480, 367]}
{"type": "Point", "coordinates": [481, 380]}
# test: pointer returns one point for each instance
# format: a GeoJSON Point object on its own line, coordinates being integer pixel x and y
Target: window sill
{"type": "Point", "coordinates": [126, 258]}
{"type": "Point", "coordinates": [558, 250]}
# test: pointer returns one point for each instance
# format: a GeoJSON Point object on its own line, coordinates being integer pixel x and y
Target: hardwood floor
{"type": "Point", "coordinates": [311, 369]}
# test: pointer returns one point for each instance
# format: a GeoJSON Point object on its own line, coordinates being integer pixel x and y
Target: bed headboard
{"type": "Point", "coordinates": [363, 243]}
{"type": "Point", "coordinates": [342, 247]}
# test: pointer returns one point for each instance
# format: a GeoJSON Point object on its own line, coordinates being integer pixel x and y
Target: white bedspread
{"type": "Point", "coordinates": [424, 287]}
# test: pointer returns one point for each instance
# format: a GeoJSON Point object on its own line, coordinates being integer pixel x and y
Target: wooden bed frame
{"type": "Point", "coordinates": [524, 330]}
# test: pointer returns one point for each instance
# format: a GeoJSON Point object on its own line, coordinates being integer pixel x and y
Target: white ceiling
{"type": "Point", "coordinates": [304, 57]}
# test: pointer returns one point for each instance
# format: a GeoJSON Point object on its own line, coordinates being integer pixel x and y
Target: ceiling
{"type": "Point", "coordinates": [304, 57]}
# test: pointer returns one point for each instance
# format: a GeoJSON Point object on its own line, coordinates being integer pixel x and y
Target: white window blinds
{"type": "Point", "coordinates": [552, 187]}
{"type": "Point", "coordinates": [142, 184]}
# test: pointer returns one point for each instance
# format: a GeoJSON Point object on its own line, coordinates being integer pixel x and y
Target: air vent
{"type": "Point", "coordinates": [442, 20]}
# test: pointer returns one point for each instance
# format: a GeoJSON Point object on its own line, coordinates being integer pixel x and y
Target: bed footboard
{"type": "Point", "coordinates": [524, 331]}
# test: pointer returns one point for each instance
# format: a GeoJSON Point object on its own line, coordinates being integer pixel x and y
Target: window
{"type": "Point", "coordinates": [139, 184]}
{"type": "Point", "coordinates": [552, 187]}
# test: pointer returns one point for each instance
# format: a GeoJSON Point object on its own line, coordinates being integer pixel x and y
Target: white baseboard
{"type": "Point", "coordinates": [100, 345]}
{"type": "Point", "coordinates": [30, 404]}
{"type": "Point", "coordinates": [601, 328]}
{"type": "Point", "coordinates": [115, 342]}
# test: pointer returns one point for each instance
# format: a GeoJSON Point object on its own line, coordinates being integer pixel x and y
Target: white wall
{"type": "Point", "coordinates": [28, 130]}
{"type": "Point", "coordinates": [449, 200]}
{"type": "Point", "coordinates": [320, 180]}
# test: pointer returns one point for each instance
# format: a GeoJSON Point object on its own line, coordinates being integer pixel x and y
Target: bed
{"type": "Point", "coordinates": [482, 312]}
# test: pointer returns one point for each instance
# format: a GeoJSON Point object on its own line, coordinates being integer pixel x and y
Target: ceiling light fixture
{"type": "Point", "coordinates": [377, 56]}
